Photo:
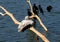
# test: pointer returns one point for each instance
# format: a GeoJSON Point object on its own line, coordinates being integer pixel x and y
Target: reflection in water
{"type": "Point", "coordinates": [31, 36]}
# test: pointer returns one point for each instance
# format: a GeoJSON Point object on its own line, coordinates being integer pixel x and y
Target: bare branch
{"type": "Point", "coordinates": [30, 6]}
{"type": "Point", "coordinates": [40, 21]}
{"type": "Point", "coordinates": [10, 14]}
{"type": "Point", "coordinates": [32, 28]}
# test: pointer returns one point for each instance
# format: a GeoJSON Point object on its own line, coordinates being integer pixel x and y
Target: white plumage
{"type": "Point", "coordinates": [24, 23]}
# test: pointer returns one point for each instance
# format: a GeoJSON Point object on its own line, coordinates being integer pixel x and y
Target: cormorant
{"type": "Point", "coordinates": [35, 9]}
{"type": "Point", "coordinates": [49, 8]}
{"type": "Point", "coordinates": [41, 10]}
{"type": "Point", "coordinates": [29, 12]}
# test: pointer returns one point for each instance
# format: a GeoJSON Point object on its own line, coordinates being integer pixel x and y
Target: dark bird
{"type": "Point", "coordinates": [40, 9]}
{"type": "Point", "coordinates": [29, 12]}
{"type": "Point", "coordinates": [49, 8]}
{"type": "Point", "coordinates": [35, 9]}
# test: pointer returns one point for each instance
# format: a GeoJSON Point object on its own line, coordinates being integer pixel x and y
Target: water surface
{"type": "Point", "coordinates": [9, 31]}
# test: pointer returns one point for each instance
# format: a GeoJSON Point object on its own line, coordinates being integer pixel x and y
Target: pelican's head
{"type": "Point", "coordinates": [26, 17]}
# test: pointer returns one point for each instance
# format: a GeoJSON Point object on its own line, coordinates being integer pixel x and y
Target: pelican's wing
{"type": "Point", "coordinates": [24, 25]}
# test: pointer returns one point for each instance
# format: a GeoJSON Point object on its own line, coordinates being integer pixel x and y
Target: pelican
{"type": "Point", "coordinates": [24, 24]}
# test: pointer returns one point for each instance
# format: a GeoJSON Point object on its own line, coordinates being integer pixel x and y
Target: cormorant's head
{"type": "Point", "coordinates": [39, 5]}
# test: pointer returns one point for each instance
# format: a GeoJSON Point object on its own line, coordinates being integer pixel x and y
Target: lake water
{"type": "Point", "coordinates": [9, 31]}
